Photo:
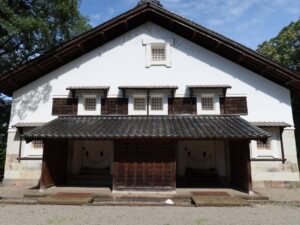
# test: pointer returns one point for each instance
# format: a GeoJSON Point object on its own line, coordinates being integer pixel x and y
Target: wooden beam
{"type": "Point", "coordinates": [241, 58]}
{"type": "Point", "coordinates": [194, 35]}
{"type": "Point", "coordinates": [59, 59]}
{"type": "Point", "coordinates": [126, 25]}
{"type": "Point", "coordinates": [171, 24]}
{"type": "Point", "coordinates": [217, 46]}
{"type": "Point", "coordinates": [264, 70]}
{"type": "Point", "coordinates": [103, 35]}
{"type": "Point", "coordinates": [80, 47]}
{"type": "Point", "coordinates": [289, 82]}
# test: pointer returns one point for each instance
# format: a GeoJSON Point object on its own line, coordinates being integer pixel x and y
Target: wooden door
{"type": "Point", "coordinates": [54, 167]}
{"type": "Point", "coordinates": [144, 165]}
{"type": "Point", "coordinates": [240, 166]}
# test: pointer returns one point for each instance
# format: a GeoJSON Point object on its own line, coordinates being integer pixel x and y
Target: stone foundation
{"type": "Point", "coordinates": [23, 173]}
{"type": "Point", "coordinates": [276, 184]}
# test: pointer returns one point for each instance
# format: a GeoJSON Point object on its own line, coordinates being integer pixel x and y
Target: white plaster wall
{"type": "Point", "coordinates": [122, 62]}
{"type": "Point", "coordinates": [93, 160]}
{"type": "Point", "coordinates": [214, 158]}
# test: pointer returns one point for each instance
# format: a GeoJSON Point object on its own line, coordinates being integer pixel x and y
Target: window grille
{"type": "Point", "coordinates": [158, 53]}
{"type": "Point", "coordinates": [264, 146]}
{"type": "Point", "coordinates": [90, 104]}
{"type": "Point", "coordinates": [37, 144]}
{"type": "Point", "coordinates": [156, 103]}
{"type": "Point", "coordinates": [139, 103]}
{"type": "Point", "coordinates": [207, 103]}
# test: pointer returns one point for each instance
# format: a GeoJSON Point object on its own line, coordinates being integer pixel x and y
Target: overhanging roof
{"type": "Point", "coordinates": [270, 124]}
{"type": "Point", "coordinates": [159, 127]}
{"type": "Point", "coordinates": [108, 31]}
{"type": "Point", "coordinates": [86, 88]}
{"type": "Point", "coordinates": [28, 124]}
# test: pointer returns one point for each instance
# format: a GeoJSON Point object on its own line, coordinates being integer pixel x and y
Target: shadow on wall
{"type": "Point", "coordinates": [30, 101]}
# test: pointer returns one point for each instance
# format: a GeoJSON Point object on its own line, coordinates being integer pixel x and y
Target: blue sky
{"type": "Point", "coordinates": [249, 22]}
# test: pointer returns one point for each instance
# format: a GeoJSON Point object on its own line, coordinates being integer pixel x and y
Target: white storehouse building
{"type": "Point", "coordinates": [151, 101]}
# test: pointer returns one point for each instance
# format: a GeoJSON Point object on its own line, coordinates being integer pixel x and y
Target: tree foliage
{"type": "Point", "coordinates": [28, 28]}
{"type": "Point", "coordinates": [285, 50]}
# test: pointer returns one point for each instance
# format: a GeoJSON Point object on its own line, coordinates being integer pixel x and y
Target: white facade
{"type": "Point", "coordinates": [126, 61]}
{"type": "Point", "coordinates": [121, 62]}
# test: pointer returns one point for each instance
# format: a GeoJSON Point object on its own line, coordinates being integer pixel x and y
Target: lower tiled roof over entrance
{"type": "Point", "coordinates": [167, 127]}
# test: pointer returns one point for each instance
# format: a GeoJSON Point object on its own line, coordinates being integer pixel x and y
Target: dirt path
{"type": "Point", "coordinates": [93, 215]}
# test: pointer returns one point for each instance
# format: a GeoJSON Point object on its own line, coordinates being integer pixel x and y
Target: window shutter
{"type": "Point", "coordinates": [234, 105]}
{"type": "Point", "coordinates": [182, 106]}
{"type": "Point", "coordinates": [64, 106]}
{"type": "Point", "coordinates": [114, 106]}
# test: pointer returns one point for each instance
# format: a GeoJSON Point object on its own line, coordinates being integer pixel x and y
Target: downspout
{"type": "Point", "coordinates": [282, 148]}
{"type": "Point", "coordinates": [20, 144]}
{"type": "Point", "coordinates": [148, 100]}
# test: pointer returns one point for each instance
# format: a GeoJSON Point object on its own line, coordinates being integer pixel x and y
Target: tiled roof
{"type": "Point", "coordinates": [88, 88]}
{"type": "Point", "coordinates": [124, 127]}
{"type": "Point", "coordinates": [270, 124]}
{"type": "Point", "coordinates": [209, 86]}
{"type": "Point", "coordinates": [148, 87]}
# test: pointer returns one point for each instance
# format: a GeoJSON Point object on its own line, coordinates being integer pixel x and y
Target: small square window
{"type": "Point", "coordinates": [207, 103]}
{"type": "Point", "coordinates": [156, 103]}
{"type": "Point", "coordinates": [37, 144]}
{"type": "Point", "coordinates": [90, 104]}
{"type": "Point", "coordinates": [264, 146]}
{"type": "Point", "coordinates": [139, 103]}
{"type": "Point", "coordinates": [158, 52]}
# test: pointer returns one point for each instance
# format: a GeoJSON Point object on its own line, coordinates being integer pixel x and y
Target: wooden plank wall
{"type": "Point", "coordinates": [144, 166]}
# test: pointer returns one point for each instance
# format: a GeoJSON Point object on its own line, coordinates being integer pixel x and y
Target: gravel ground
{"type": "Point", "coordinates": [282, 195]}
{"type": "Point", "coordinates": [93, 215]}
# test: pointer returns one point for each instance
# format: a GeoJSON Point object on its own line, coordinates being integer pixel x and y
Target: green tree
{"type": "Point", "coordinates": [285, 50]}
{"type": "Point", "coordinates": [29, 28]}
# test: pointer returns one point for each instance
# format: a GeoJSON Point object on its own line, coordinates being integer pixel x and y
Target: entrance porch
{"type": "Point", "coordinates": [147, 153]}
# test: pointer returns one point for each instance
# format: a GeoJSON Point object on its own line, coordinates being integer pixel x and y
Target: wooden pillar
{"type": "Point", "coordinates": [240, 165]}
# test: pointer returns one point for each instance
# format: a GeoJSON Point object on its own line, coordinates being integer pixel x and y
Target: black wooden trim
{"type": "Point", "coordinates": [268, 160]}
{"type": "Point", "coordinates": [30, 158]}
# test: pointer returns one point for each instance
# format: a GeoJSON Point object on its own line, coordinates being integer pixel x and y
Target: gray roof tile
{"type": "Point", "coordinates": [121, 127]}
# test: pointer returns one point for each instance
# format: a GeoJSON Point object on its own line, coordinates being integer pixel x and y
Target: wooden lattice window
{"type": "Point", "coordinates": [139, 103]}
{"type": "Point", "coordinates": [37, 144]}
{"type": "Point", "coordinates": [264, 145]}
{"type": "Point", "coordinates": [90, 104]}
{"type": "Point", "coordinates": [207, 103]}
{"type": "Point", "coordinates": [156, 103]}
{"type": "Point", "coordinates": [158, 53]}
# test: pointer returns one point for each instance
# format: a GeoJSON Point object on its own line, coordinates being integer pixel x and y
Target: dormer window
{"type": "Point", "coordinates": [208, 103]}
{"type": "Point", "coordinates": [158, 52]}
{"type": "Point", "coordinates": [90, 103]}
